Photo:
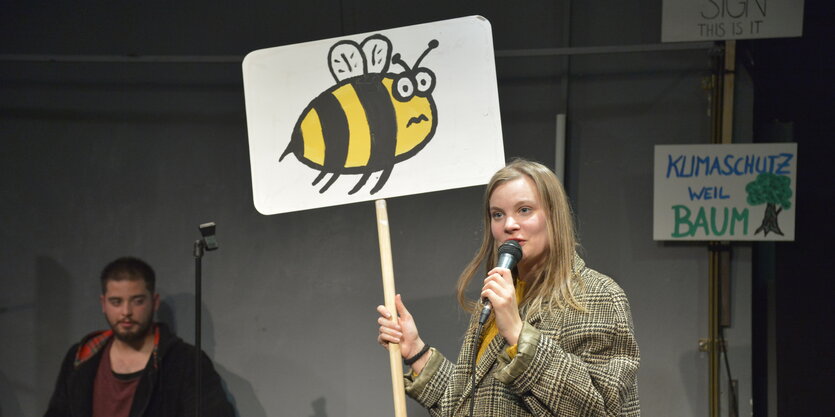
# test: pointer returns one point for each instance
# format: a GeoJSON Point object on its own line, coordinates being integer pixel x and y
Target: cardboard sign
{"type": "Point", "coordinates": [709, 20]}
{"type": "Point", "coordinates": [725, 192]}
{"type": "Point", "coordinates": [372, 116]}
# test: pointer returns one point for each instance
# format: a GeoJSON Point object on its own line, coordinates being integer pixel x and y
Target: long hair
{"type": "Point", "coordinates": [552, 282]}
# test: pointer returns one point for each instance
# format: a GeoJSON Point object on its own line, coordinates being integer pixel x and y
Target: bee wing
{"type": "Point", "coordinates": [377, 50]}
{"type": "Point", "coordinates": [345, 60]}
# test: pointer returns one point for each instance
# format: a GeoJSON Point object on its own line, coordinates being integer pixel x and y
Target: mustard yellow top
{"type": "Point", "coordinates": [492, 331]}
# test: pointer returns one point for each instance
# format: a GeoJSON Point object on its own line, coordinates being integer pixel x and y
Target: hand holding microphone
{"type": "Point", "coordinates": [510, 253]}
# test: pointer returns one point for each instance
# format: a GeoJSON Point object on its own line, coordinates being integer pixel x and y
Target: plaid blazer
{"type": "Point", "coordinates": [569, 363]}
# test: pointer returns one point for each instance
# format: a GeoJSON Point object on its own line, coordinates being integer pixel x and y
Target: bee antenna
{"type": "Point", "coordinates": [397, 60]}
{"type": "Point", "coordinates": [432, 45]}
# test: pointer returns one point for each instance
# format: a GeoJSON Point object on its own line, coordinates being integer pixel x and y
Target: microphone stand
{"type": "Point", "coordinates": [206, 243]}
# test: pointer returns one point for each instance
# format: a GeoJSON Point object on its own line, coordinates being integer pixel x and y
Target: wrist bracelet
{"type": "Point", "coordinates": [413, 359]}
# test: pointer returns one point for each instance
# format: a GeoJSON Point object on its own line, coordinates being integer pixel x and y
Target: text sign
{"type": "Point", "coordinates": [371, 116]}
{"type": "Point", "coordinates": [725, 192]}
{"type": "Point", "coordinates": [707, 20]}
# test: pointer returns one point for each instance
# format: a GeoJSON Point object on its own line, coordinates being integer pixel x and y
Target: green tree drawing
{"type": "Point", "coordinates": [773, 190]}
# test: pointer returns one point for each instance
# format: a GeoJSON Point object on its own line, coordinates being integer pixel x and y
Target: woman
{"type": "Point", "coordinates": [560, 340]}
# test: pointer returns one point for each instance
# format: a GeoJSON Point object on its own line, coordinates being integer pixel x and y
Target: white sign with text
{"type": "Point", "coordinates": [725, 192]}
{"type": "Point", "coordinates": [709, 20]}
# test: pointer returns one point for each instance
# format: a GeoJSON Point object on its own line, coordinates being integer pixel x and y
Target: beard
{"type": "Point", "coordinates": [139, 331]}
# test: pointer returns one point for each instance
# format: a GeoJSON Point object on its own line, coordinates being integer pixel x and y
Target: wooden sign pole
{"type": "Point", "coordinates": [395, 358]}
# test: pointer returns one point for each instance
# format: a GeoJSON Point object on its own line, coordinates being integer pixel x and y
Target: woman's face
{"type": "Point", "coordinates": [516, 213]}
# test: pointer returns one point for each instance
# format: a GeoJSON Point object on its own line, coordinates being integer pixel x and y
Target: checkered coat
{"type": "Point", "coordinates": [569, 363]}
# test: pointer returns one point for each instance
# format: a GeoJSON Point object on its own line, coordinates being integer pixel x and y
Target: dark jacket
{"type": "Point", "coordinates": [166, 387]}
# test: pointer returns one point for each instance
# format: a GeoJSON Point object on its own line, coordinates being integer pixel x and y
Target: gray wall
{"type": "Point", "coordinates": [107, 159]}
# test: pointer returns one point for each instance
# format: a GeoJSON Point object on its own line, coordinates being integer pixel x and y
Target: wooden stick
{"type": "Point", "coordinates": [395, 359]}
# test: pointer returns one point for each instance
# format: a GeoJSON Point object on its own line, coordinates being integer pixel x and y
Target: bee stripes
{"type": "Point", "coordinates": [333, 125]}
{"type": "Point", "coordinates": [358, 120]}
{"type": "Point", "coordinates": [381, 119]}
{"type": "Point", "coordinates": [359, 136]}
{"type": "Point", "coordinates": [314, 140]}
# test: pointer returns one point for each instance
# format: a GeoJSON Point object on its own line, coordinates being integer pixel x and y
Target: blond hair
{"type": "Point", "coordinates": [552, 282]}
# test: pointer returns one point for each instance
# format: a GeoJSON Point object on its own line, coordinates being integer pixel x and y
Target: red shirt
{"type": "Point", "coordinates": [113, 393]}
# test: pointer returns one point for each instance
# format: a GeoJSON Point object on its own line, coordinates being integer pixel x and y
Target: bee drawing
{"type": "Point", "coordinates": [371, 119]}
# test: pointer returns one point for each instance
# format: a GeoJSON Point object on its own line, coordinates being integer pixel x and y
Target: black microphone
{"type": "Point", "coordinates": [510, 253]}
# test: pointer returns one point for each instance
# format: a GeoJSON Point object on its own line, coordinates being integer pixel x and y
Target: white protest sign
{"type": "Point", "coordinates": [371, 116]}
{"type": "Point", "coordinates": [725, 192]}
{"type": "Point", "coordinates": [708, 20]}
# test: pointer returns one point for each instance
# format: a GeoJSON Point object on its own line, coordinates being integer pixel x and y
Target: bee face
{"type": "Point", "coordinates": [414, 108]}
{"type": "Point", "coordinates": [371, 119]}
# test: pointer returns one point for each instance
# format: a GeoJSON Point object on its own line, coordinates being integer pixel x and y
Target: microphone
{"type": "Point", "coordinates": [510, 253]}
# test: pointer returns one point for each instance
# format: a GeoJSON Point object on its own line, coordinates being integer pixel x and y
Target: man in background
{"type": "Point", "coordinates": [138, 367]}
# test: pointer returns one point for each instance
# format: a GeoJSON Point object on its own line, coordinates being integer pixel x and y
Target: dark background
{"type": "Point", "coordinates": [794, 90]}
{"type": "Point", "coordinates": [113, 157]}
